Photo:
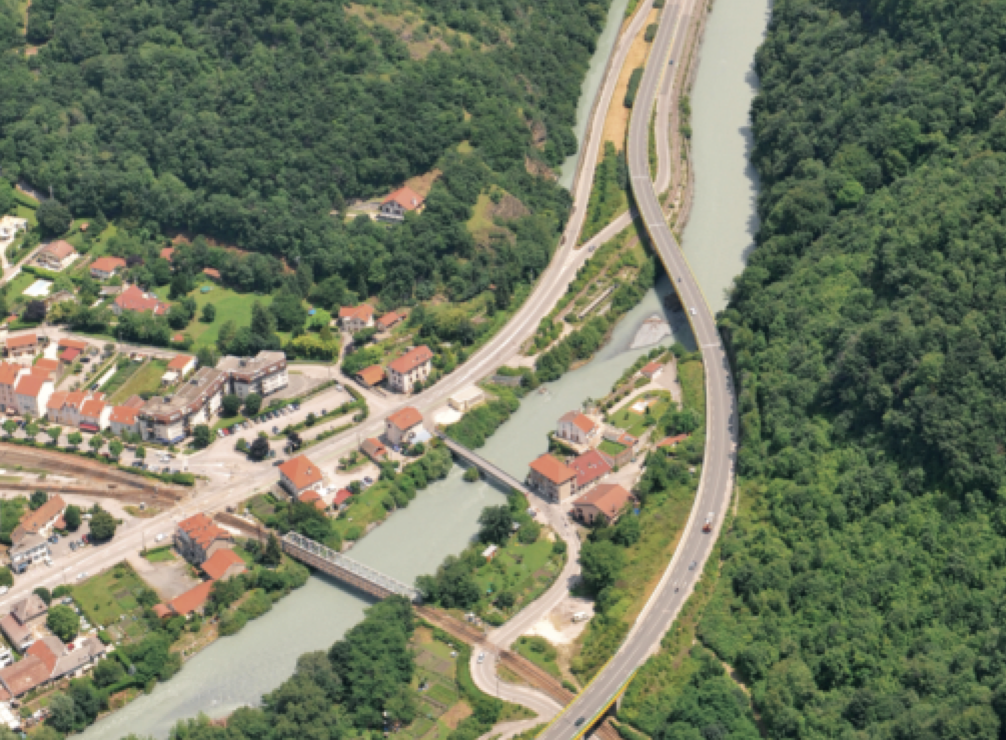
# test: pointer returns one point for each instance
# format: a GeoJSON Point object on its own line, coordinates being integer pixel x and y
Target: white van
{"type": "Point", "coordinates": [580, 617]}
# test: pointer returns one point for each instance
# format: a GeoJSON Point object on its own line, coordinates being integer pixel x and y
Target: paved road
{"type": "Point", "coordinates": [716, 483]}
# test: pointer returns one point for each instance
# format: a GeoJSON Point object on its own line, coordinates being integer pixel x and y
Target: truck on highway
{"type": "Point", "coordinates": [708, 526]}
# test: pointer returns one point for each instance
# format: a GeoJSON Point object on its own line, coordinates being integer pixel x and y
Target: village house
{"type": "Point", "coordinates": [70, 349]}
{"type": "Point", "coordinates": [299, 474]}
{"type": "Point", "coordinates": [651, 370]}
{"type": "Point", "coordinates": [373, 449]}
{"type": "Point", "coordinates": [669, 443]}
{"type": "Point", "coordinates": [182, 365]}
{"type": "Point", "coordinates": [124, 419]}
{"type": "Point", "coordinates": [577, 428]}
{"type": "Point", "coordinates": [402, 427]}
{"type": "Point", "coordinates": [94, 415]}
{"type": "Point", "coordinates": [372, 376]}
{"type": "Point", "coordinates": [629, 447]}
{"type": "Point", "coordinates": [56, 256]}
{"type": "Point", "coordinates": [466, 399]}
{"type": "Point", "coordinates": [356, 318]}
{"type": "Point", "coordinates": [394, 206]}
{"type": "Point", "coordinates": [24, 614]}
{"type": "Point", "coordinates": [264, 374]}
{"type": "Point", "coordinates": [66, 407]}
{"type": "Point", "coordinates": [590, 468]}
{"type": "Point", "coordinates": [606, 501]}
{"type": "Point", "coordinates": [341, 500]}
{"type": "Point", "coordinates": [134, 299]}
{"type": "Point", "coordinates": [167, 253]}
{"type": "Point", "coordinates": [42, 520]}
{"type": "Point", "coordinates": [411, 368]}
{"type": "Point", "coordinates": [22, 348]}
{"type": "Point", "coordinates": [44, 364]}
{"type": "Point", "coordinates": [9, 373]}
{"type": "Point", "coordinates": [313, 498]}
{"type": "Point", "coordinates": [105, 267]}
{"type": "Point", "coordinates": [212, 273]}
{"type": "Point", "coordinates": [390, 321]}
{"type": "Point", "coordinates": [552, 479]}
{"type": "Point", "coordinates": [32, 393]}
{"type": "Point", "coordinates": [224, 564]}
{"type": "Point", "coordinates": [191, 601]}
{"type": "Point", "coordinates": [170, 419]}
{"type": "Point", "coordinates": [199, 537]}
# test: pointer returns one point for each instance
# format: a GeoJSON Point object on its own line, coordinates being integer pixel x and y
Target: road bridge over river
{"type": "Point", "coordinates": [486, 467]}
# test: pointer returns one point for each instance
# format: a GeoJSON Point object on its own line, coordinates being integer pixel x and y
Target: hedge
{"type": "Point", "coordinates": [630, 93]}
{"type": "Point", "coordinates": [651, 33]}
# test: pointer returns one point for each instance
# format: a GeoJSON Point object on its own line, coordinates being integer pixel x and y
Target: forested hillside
{"type": "Point", "coordinates": [862, 593]}
{"type": "Point", "coordinates": [251, 121]}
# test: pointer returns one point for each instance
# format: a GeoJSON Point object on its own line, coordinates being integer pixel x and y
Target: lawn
{"type": "Point", "coordinates": [610, 448]}
{"type": "Point", "coordinates": [105, 598]}
{"type": "Point", "coordinates": [18, 285]}
{"type": "Point", "coordinates": [362, 511]}
{"type": "Point", "coordinates": [123, 374]}
{"type": "Point", "coordinates": [147, 378]}
{"type": "Point", "coordinates": [160, 554]}
{"type": "Point", "coordinates": [523, 570]}
{"type": "Point", "coordinates": [635, 423]}
{"type": "Point", "coordinates": [693, 389]}
{"type": "Point", "coordinates": [231, 306]}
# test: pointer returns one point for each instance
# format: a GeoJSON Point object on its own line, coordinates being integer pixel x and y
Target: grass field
{"type": "Point", "coordinates": [231, 306]}
{"type": "Point", "coordinates": [18, 285]}
{"type": "Point", "coordinates": [160, 554]}
{"type": "Point", "coordinates": [105, 598]}
{"type": "Point", "coordinates": [123, 374]}
{"type": "Point", "coordinates": [611, 448]}
{"type": "Point", "coordinates": [540, 652]}
{"type": "Point", "coordinates": [147, 378]}
{"type": "Point", "coordinates": [693, 389]}
{"type": "Point", "coordinates": [362, 511]}
{"type": "Point", "coordinates": [520, 569]}
{"type": "Point", "coordinates": [635, 423]}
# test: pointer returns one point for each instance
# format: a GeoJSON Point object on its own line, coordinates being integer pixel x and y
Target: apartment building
{"type": "Point", "coordinates": [263, 374]}
{"type": "Point", "coordinates": [66, 407]}
{"type": "Point", "coordinates": [170, 419]}
{"type": "Point", "coordinates": [411, 368]}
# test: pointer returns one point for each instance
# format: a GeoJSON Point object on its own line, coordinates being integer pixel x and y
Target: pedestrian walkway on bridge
{"type": "Point", "coordinates": [484, 465]}
{"type": "Point", "coordinates": [345, 569]}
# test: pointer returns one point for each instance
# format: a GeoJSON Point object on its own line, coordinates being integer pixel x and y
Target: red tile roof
{"type": "Point", "coordinates": [135, 402]}
{"type": "Point", "coordinates": [192, 600]}
{"type": "Point", "coordinates": [371, 375]}
{"type": "Point", "coordinates": [412, 359]}
{"type": "Point", "coordinates": [363, 312]}
{"type": "Point", "coordinates": [123, 415]}
{"type": "Point", "coordinates": [342, 496]}
{"type": "Point", "coordinates": [8, 373]}
{"type": "Point", "coordinates": [166, 253]}
{"type": "Point", "coordinates": [309, 496]}
{"type": "Point", "coordinates": [59, 249]}
{"type": "Point", "coordinates": [22, 340]}
{"type": "Point", "coordinates": [216, 567]}
{"type": "Point", "coordinates": [608, 498]}
{"type": "Point", "coordinates": [406, 197]}
{"type": "Point", "coordinates": [162, 610]}
{"type": "Point", "coordinates": [650, 368]}
{"type": "Point", "coordinates": [72, 344]}
{"type": "Point", "coordinates": [25, 675]}
{"type": "Point", "coordinates": [31, 385]}
{"type": "Point", "coordinates": [589, 467]}
{"type": "Point", "coordinates": [56, 400]}
{"type": "Point", "coordinates": [33, 521]}
{"type": "Point", "coordinates": [301, 472]}
{"type": "Point", "coordinates": [108, 264]}
{"type": "Point", "coordinates": [92, 409]}
{"type": "Point", "coordinates": [581, 421]}
{"type": "Point", "coordinates": [45, 363]}
{"type": "Point", "coordinates": [180, 362]}
{"type": "Point", "coordinates": [211, 273]}
{"type": "Point", "coordinates": [44, 653]}
{"type": "Point", "coordinates": [69, 355]}
{"type": "Point", "coordinates": [406, 418]}
{"type": "Point", "coordinates": [390, 319]}
{"type": "Point", "coordinates": [671, 441]}
{"type": "Point", "coordinates": [134, 299]}
{"type": "Point", "coordinates": [553, 470]}
{"type": "Point", "coordinates": [202, 530]}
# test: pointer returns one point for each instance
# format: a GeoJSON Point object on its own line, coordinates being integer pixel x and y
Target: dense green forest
{"type": "Point", "coordinates": [862, 589]}
{"type": "Point", "coordinates": [251, 122]}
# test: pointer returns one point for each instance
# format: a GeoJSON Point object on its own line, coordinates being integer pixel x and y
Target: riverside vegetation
{"type": "Point", "coordinates": [863, 580]}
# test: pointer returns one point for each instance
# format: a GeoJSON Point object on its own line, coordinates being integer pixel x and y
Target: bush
{"type": "Point", "coordinates": [634, 80]}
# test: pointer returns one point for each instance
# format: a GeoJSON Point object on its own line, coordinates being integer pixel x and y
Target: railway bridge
{"type": "Point", "coordinates": [346, 569]}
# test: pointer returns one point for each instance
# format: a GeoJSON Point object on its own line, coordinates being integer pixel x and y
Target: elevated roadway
{"type": "Point", "coordinates": [717, 478]}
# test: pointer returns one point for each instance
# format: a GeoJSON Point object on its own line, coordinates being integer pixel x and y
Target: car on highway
{"type": "Point", "coordinates": [580, 721]}
{"type": "Point", "coordinates": [482, 656]}
{"type": "Point", "coordinates": [692, 566]}
{"type": "Point", "coordinates": [54, 539]}
{"type": "Point", "coordinates": [692, 309]}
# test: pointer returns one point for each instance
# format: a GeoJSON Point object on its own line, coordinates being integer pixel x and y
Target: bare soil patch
{"type": "Point", "coordinates": [616, 123]}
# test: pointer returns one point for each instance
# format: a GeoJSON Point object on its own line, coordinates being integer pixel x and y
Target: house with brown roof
{"type": "Point", "coordinates": [651, 370]}
{"type": "Point", "coordinates": [299, 474]}
{"type": "Point", "coordinates": [590, 468]}
{"type": "Point", "coordinates": [553, 479]}
{"type": "Point", "coordinates": [373, 449]}
{"type": "Point", "coordinates": [39, 522]}
{"type": "Point", "coordinates": [105, 267]}
{"type": "Point", "coordinates": [606, 500]}
{"type": "Point", "coordinates": [56, 255]}
{"type": "Point", "coordinates": [342, 498]}
{"type": "Point", "coordinates": [224, 564]}
{"type": "Point", "coordinates": [198, 537]}
{"type": "Point", "coordinates": [22, 347]}
{"type": "Point", "coordinates": [24, 614]}
{"type": "Point", "coordinates": [134, 299]}
{"type": "Point", "coordinates": [9, 374]}
{"type": "Point", "coordinates": [48, 365]}
{"type": "Point", "coordinates": [69, 343]}
{"type": "Point", "coordinates": [669, 443]}
{"type": "Point", "coordinates": [314, 498]}
{"type": "Point", "coordinates": [401, 427]}
{"type": "Point", "coordinates": [411, 368]}
{"type": "Point", "coordinates": [182, 364]}
{"type": "Point", "coordinates": [67, 407]}
{"type": "Point", "coordinates": [192, 600]}
{"type": "Point", "coordinates": [356, 318]}
{"type": "Point", "coordinates": [372, 376]}
{"type": "Point", "coordinates": [395, 205]}
{"type": "Point", "coordinates": [32, 393]}
{"type": "Point", "coordinates": [124, 419]}
{"type": "Point", "coordinates": [167, 253]}
{"type": "Point", "coordinates": [577, 428]}
{"type": "Point", "coordinates": [212, 273]}
{"type": "Point", "coordinates": [390, 321]}
{"type": "Point", "coordinates": [21, 677]}
{"type": "Point", "coordinates": [94, 414]}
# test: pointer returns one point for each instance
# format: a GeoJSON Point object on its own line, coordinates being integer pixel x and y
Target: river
{"type": "Point", "coordinates": [236, 671]}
